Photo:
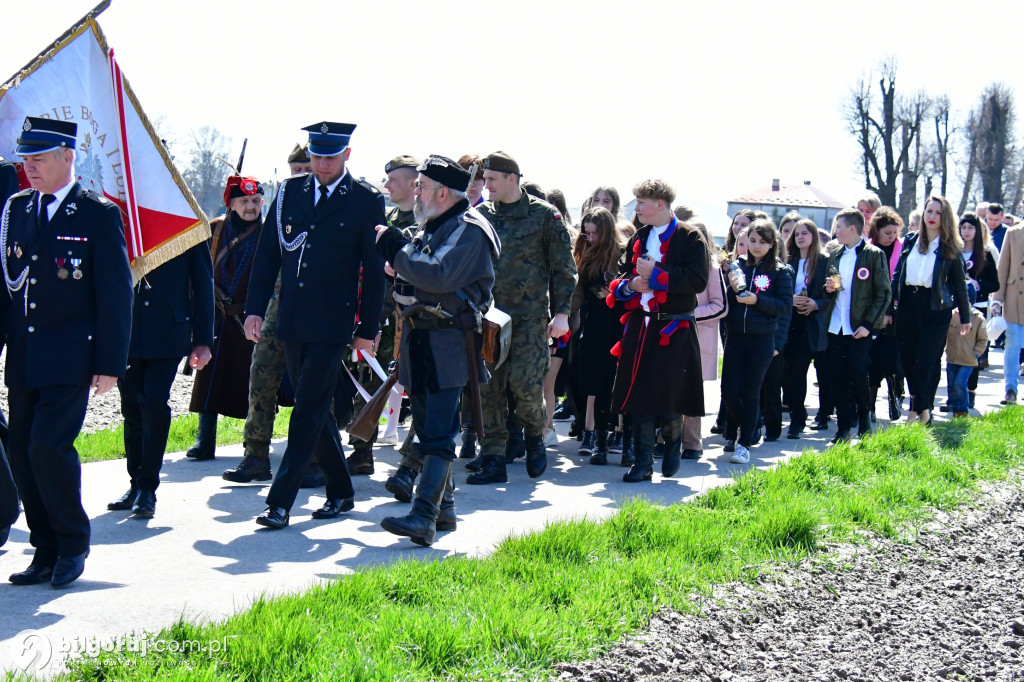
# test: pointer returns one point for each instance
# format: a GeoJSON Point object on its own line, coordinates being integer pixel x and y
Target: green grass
{"type": "Point", "coordinates": [571, 591]}
{"type": "Point", "coordinates": [109, 443]}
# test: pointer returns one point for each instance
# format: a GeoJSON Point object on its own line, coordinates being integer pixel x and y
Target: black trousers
{"type": "Point", "coordinates": [435, 418]}
{"type": "Point", "coordinates": [145, 392]}
{"type": "Point", "coordinates": [771, 397]}
{"type": "Point", "coordinates": [744, 365]}
{"type": "Point", "coordinates": [43, 428]}
{"type": "Point", "coordinates": [846, 363]}
{"type": "Point", "coordinates": [8, 493]}
{"type": "Point", "coordinates": [798, 361]}
{"type": "Point", "coordinates": [921, 333]}
{"type": "Point", "coordinates": [314, 370]}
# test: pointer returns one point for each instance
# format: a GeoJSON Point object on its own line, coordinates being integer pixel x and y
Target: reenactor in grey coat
{"type": "Point", "coordinates": [450, 266]}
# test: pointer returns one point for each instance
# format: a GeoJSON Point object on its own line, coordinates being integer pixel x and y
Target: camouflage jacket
{"type": "Point", "coordinates": [535, 250]}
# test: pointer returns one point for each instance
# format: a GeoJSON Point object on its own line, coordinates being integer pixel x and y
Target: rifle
{"type": "Point", "coordinates": [365, 423]}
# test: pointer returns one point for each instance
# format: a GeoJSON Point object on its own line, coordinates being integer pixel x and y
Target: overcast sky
{"type": "Point", "coordinates": [718, 99]}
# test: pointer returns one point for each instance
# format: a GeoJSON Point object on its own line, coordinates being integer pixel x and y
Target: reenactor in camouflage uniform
{"type": "Point", "coordinates": [536, 250]}
{"type": "Point", "coordinates": [266, 375]}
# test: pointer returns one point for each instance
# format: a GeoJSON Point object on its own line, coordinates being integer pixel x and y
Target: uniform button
{"type": "Point", "coordinates": [35, 257]}
{"type": "Point", "coordinates": [90, 337]}
{"type": "Point", "coordinates": [32, 305]}
{"type": "Point", "coordinates": [312, 227]}
{"type": "Point", "coordinates": [146, 303]}
{"type": "Point", "coordinates": [31, 329]}
{"type": "Point", "coordinates": [32, 280]}
{"type": "Point", "coordinates": [302, 284]}
{"type": "Point", "coordinates": [305, 264]}
{"type": "Point", "coordinates": [341, 224]}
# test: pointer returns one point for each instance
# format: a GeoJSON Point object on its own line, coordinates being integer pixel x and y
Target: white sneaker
{"type": "Point", "coordinates": [740, 456]}
{"type": "Point", "coordinates": [388, 440]}
{"type": "Point", "coordinates": [551, 438]}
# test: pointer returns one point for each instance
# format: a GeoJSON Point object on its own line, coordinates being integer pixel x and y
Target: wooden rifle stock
{"type": "Point", "coordinates": [365, 423]}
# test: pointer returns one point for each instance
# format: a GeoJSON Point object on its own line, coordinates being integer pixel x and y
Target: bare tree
{"type": "Point", "coordinates": [206, 174]}
{"type": "Point", "coordinates": [971, 142]}
{"type": "Point", "coordinates": [940, 116]}
{"type": "Point", "coordinates": [995, 143]}
{"type": "Point", "coordinates": [911, 115]}
{"type": "Point", "coordinates": [887, 129]}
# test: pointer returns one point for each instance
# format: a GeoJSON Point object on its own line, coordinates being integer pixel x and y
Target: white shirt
{"type": "Point", "coordinates": [330, 188]}
{"type": "Point", "coordinates": [840, 322]}
{"type": "Point", "coordinates": [801, 276]}
{"type": "Point", "coordinates": [920, 266]}
{"type": "Point", "coordinates": [653, 248]}
{"type": "Point", "coordinates": [61, 194]}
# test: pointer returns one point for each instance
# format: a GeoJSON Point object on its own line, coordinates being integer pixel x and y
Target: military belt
{"type": "Point", "coordinates": [669, 316]}
{"type": "Point", "coordinates": [432, 323]}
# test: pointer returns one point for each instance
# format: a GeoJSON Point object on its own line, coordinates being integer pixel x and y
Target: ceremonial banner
{"type": "Point", "coordinates": [118, 153]}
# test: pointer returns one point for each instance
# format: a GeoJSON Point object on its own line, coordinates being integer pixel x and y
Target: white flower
{"type": "Point", "coordinates": [761, 282]}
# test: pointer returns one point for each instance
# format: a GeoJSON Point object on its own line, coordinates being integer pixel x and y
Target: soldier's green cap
{"type": "Point", "coordinates": [502, 163]}
{"type": "Point", "coordinates": [298, 155]}
{"type": "Point", "coordinates": [403, 161]}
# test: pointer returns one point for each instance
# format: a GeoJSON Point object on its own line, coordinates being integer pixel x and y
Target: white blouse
{"type": "Point", "coordinates": [920, 266]}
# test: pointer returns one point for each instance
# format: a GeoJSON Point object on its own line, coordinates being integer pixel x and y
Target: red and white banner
{"type": "Point", "coordinates": [118, 154]}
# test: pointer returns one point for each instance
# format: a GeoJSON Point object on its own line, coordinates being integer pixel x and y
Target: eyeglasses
{"type": "Point", "coordinates": [423, 188]}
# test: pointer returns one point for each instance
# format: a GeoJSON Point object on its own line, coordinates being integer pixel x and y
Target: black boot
{"type": "Point", "coordinates": [627, 444]}
{"type": "Point", "coordinates": [515, 447]}
{"type": "Point", "coordinates": [468, 450]}
{"type": "Point", "coordinates": [600, 456]}
{"type": "Point", "coordinates": [420, 524]}
{"type": "Point", "coordinates": [400, 484]}
{"type": "Point", "coordinates": [206, 438]}
{"type": "Point", "coordinates": [251, 468]}
{"type": "Point", "coordinates": [536, 456]}
{"type": "Point", "coordinates": [492, 470]}
{"type": "Point", "coordinates": [673, 456]}
{"type": "Point", "coordinates": [895, 399]}
{"type": "Point", "coordinates": [446, 518]}
{"type": "Point", "coordinates": [643, 445]}
{"type": "Point", "coordinates": [476, 463]}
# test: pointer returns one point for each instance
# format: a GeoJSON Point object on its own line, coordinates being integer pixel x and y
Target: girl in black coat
{"type": "Point", "coordinates": [983, 274]}
{"type": "Point", "coordinates": [755, 314]}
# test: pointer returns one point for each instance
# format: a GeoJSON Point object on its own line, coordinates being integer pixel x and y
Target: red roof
{"type": "Point", "coordinates": [790, 195]}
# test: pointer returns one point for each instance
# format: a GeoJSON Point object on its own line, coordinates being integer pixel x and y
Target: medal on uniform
{"type": "Point", "coordinates": [17, 250]}
{"type": "Point", "coordinates": [75, 263]}
{"type": "Point", "coordinates": [287, 229]}
{"type": "Point", "coordinates": [62, 272]}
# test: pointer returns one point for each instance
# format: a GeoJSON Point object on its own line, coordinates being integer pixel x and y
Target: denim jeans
{"type": "Point", "coordinates": [1011, 355]}
{"type": "Point", "coordinates": [956, 386]}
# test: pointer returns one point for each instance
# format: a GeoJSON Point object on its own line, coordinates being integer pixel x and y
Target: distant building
{"type": "Point", "coordinates": [777, 200]}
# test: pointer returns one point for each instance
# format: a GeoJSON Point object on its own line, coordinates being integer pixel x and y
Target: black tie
{"type": "Point", "coordinates": [323, 196]}
{"type": "Point", "coordinates": [44, 214]}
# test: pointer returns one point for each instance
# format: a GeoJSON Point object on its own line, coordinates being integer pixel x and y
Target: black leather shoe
{"type": "Point", "coordinates": [205, 446]}
{"type": "Point", "coordinates": [794, 434]}
{"type": "Point", "coordinates": [492, 470]}
{"type": "Point", "coordinates": [638, 473]}
{"type": "Point", "coordinates": [819, 425]}
{"type": "Point", "coordinates": [35, 574]}
{"type": "Point", "coordinates": [771, 437]}
{"type": "Point", "coordinates": [476, 463]}
{"type": "Point", "coordinates": [360, 462]}
{"type": "Point", "coordinates": [274, 518]}
{"type": "Point", "coordinates": [690, 453]}
{"type": "Point", "coordinates": [841, 437]}
{"type": "Point", "coordinates": [514, 449]}
{"type": "Point", "coordinates": [248, 470]}
{"type": "Point", "coordinates": [536, 456]}
{"type": "Point", "coordinates": [334, 507]}
{"type": "Point", "coordinates": [400, 484]}
{"type": "Point", "coordinates": [145, 504]}
{"type": "Point", "coordinates": [756, 438]}
{"type": "Point", "coordinates": [314, 477]}
{"type": "Point", "coordinates": [68, 569]}
{"type": "Point", "coordinates": [730, 446]}
{"type": "Point", "coordinates": [124, 502]}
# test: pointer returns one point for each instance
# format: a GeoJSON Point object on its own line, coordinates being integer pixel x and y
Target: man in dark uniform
{"type": "Point", "coordinates": [68, 319]}
{"type": "Point", "coordinates": [222, 387]}
{"type": "Point", "coordinates": [450, 264]}
{"type": "Point", "coordinates": [8, 492]}
{"type": "Point", "coordinates": [401, 173]}
{"type": "Point", "coordinates": [319, 236]}
{"type": "Point", "coordinates": [172, 317]}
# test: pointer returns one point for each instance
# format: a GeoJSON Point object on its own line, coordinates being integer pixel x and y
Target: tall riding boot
{"type": "Point", "coordinates": [643, 444]}
{"type": "Point", "coordinates": [600, 456]}
{"type": "Point", "coordinates": [420, 524]}
{"type": "Point", "coordinates": [673, 451]}
{"type": "Point", "coordinates": [206, 438]}
{"type": "Point", "coordinates": [468, 450]}
{"type": "Point", "coordinates": [492, 470]}
{"type": "Point", "coordinates": [446, 518]}
{"type": "Point", "coordinates": [627, 443]}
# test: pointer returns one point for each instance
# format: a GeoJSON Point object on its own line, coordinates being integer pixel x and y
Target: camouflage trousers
{"type": "Point", "coordinates": [522, 374]}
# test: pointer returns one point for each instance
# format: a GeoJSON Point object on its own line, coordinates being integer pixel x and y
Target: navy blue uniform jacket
{"type": "Point", "coordinates": [63, 330]}
{"type": "Point", "coordinates": [320, 254]}
{"type": "Point", "coordinates": [173, 310]}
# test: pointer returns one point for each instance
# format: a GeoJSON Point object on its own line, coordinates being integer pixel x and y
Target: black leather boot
{"type": "Point", "coordinates": [515, 447]}
{"type": "Point", "coordinates": [643, 444]}
{"type": "Point", "coordinates": [492, 470]}
{"type": "Point", "coordinates": [673, 456]}
{"type": "Point", "coordinates": [536, 456]}
{"type": "Point", "coordinates": [205, 446]}
{"type": "Point", "coordinates": [468, 450]}
{"type": "Point", "coordinates": [420, 524]}
{"type": "Point", "coordinates": [476, 463]}
{"type": "Point", "coordinates": [627, 445]}
{"type": "Point", "coordinates": [251, 468]}
{"type": "Point", "coordinates": [446, 518]}
{"type": "Point", "coordinates": [400, 484]}
{"type": "Point", "coordinates": [600, 456]}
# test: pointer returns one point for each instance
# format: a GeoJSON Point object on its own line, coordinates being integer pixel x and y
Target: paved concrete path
{"type": "Point", "coordinates": [203, 557]}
